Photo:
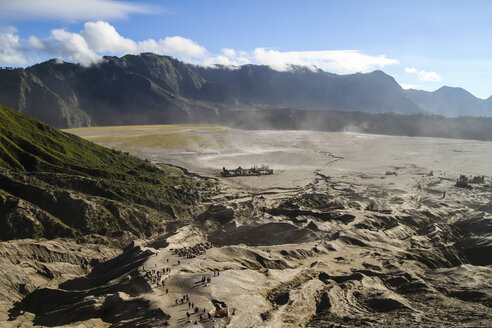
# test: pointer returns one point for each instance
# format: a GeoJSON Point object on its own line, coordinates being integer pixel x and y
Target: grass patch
{"type": "Point", "coordinates": [177, 136]}
{"type": "Point", "coordinates": [167, 141]}
{"type": "Point", "coordinates": [132, 129]}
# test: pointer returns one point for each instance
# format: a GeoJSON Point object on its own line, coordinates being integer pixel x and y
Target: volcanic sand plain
{"type": "Point", "coordinates": [351, 229]}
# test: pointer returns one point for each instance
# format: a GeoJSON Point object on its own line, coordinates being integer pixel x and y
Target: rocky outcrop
{"type": "Point", "coordinates": [110, 292]}
{"type": "Point", "coordinates": [49, 211]}
{"type": "Point", "coordinates": [217, 213]}
{"type": "Point", "coordinates": [27, 265]}
{"type": "Point", "coordinates": [273, 233]}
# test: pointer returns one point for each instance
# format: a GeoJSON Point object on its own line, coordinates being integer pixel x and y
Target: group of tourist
{"type": "Point", "coordinates": [155, 276]}
{"type": "Point", "coordinates": [194, 251]}
{"type": "Point", "coordinates": [194, 310]}
{"type": "Point", "coordinates": [158, 277]}
{"type": "Point", "coordinates": [183, 300]}
{"type": "Point", "coordinates": [201, 316]}
{"type": "Point", "coordinates": [206, 279]}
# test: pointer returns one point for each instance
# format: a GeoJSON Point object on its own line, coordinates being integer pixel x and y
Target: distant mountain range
{"type": "Point", "coordinates": [153, 89]}
{"type": "Point", "coordinates": [450, 101]}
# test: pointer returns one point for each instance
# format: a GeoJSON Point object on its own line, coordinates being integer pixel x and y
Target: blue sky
{"type": "Point", "coordinates": [424, 44]}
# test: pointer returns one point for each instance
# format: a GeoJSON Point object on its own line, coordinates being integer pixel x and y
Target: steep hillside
{"type": "Point", "coordinates": [158, 89]}
{"type": "Point", "coordinates": [253, 85]}
{"type": "Point", "coordinates": [56, 184]}
{"type": "Point", "coordinates": [129, 90]}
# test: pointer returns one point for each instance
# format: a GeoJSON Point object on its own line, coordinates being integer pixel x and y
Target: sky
{"type": "Point", "coordinates": [422, 44]}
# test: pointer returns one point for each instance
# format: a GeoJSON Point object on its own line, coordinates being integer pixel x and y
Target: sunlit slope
{"type": "Point", "coordinates": [29, 145]}
{"type": "Point", "coordinates": [54, 183]}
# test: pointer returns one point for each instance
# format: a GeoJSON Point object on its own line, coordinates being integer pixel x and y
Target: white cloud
{"type": "Point", "coordinates": [340, 61]}
{"type": "Point", "coordinates": [101, 36]}
{"type": "Point", "coordinates": [11, 51]}
{"type": "Point", "coordinates": [424, 75]}
{"type": "Point", "coordinates": [229, 57]}
{"type": "Point", "coordinates": [98, 38]}
{"type": "Point", "coordinates": [429, 76]}
{"type": "Point", "coordinates": [229, 52]}
{"type": "Point", "coordinates": [65, 45]}
{"type": "Point", "coordinates": [35, 43]}
{"type": "Point", "coordinates": [72, 10]}
{"type": "Point", "coordinates": [232, 63]}
{"type": "Point", "coordinates": [218, 60]}
{"type": "Point", "coordinates": [174, 45]}
{"type": "Point", "coordinates": [410, 86]}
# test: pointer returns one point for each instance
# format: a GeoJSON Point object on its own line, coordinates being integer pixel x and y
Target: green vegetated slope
{"type": "Point", "coordinates": [56, 184]}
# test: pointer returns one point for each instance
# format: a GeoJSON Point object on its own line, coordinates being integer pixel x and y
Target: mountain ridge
{"type": "Point", "coordinates": [149, 88]}
{"type": "Point", "coordinates": [451, 101]}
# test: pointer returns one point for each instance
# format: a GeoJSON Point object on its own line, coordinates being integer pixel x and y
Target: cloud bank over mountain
{"type": "Point", "coordinates": [99, 38]}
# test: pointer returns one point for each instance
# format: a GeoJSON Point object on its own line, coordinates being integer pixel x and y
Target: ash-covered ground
{"type": "Point", "coordinates": [350, 230]}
